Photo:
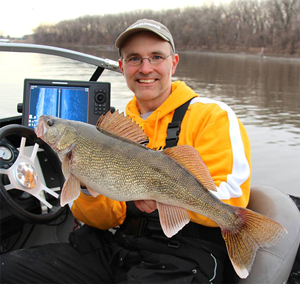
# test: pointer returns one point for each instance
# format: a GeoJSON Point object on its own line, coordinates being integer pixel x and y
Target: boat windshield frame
{"type": "Point", "coordinates": [99, 62]}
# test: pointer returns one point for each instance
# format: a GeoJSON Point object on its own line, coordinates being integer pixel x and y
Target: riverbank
{"type": "Point", "coordinates": [259, 51]}
{"type": "Point", "coordinates": [255, 51]}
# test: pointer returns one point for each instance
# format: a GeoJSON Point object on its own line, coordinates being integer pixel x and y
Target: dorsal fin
{"type": "Point", "coordinates": [189, 158]}
{"type": "Point", "coordinates": [122, 126]}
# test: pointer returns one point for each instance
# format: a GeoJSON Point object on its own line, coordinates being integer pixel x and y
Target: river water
{"type": "Point", "coordinates": [264, 92]}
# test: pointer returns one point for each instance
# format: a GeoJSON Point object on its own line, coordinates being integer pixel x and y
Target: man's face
{"type": "Point", "coordinates": [150, 83]}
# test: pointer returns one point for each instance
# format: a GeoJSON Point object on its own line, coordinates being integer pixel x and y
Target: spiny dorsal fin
{"type": "Point", "coordinates": [122, 126]}
{"type": "Point", "coordinates": [189, 158]}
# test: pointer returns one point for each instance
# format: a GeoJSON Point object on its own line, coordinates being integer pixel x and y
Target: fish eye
{"type": "Point", "coordinates": [50, 122]}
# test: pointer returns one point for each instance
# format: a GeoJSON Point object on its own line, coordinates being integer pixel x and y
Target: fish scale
{"type": "Point", "coordinates": [132, 170]}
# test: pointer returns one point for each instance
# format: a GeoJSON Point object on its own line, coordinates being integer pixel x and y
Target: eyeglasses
{"type": "Point", "coordinates": [154, 59]}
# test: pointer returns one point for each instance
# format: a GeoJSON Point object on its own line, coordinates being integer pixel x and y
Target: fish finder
{"type": "Point", "coordinates": [75, 100]}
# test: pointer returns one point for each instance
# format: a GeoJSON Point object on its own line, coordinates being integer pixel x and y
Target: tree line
{"type": "Point", "coordinates": [270, 26]}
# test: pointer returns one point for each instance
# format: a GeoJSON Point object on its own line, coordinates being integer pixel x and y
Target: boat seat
{"type": "Point", "coordinates": [273, 265]}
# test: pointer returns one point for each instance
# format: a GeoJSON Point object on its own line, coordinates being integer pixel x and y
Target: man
{"type": "Point", "coordinates": [139, 252]}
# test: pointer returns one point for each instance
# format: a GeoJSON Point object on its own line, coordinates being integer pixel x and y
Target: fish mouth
{"type": "Point", "coordinates": [41, 128]}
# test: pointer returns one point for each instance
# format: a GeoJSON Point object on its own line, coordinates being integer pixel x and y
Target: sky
{"type": "Point", "coordinates": [20, 17]}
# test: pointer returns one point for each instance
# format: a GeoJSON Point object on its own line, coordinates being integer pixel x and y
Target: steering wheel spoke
{"type": "Point", "coordinates": [51, 192]}
{"type": "Point", "coordinates": [25, 175]}
{"type": "Point", "coordinates": [43, 200]}
{"type": "Point", "coordinates": [9, 186]}
{"type": "Point", "coordinates": [34, 152]}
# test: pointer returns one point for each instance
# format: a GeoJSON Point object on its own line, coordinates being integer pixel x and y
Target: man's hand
{"type": "Point", "coordinates": [147, 206]}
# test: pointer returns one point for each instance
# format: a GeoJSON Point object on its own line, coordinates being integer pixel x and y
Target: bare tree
{"type": "Point", "coordinates": [241, 25]}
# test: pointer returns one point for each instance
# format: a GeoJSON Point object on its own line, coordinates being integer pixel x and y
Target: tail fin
{"type": "Point", "coordinates": [255, 231]}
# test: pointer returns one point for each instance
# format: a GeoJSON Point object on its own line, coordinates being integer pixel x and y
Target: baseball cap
{"type": "Point", "coordinates": [146, 25]}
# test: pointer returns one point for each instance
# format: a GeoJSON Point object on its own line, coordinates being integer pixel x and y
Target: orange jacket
{"type": "Point", "coordinates": [209, 126]}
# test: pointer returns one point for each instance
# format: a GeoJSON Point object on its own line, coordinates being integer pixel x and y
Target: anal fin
{"type": "Point", "coordinates": [172, 219]}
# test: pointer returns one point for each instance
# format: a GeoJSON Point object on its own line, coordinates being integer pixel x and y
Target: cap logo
{"type": "Point", "coordinates": [144, 24]}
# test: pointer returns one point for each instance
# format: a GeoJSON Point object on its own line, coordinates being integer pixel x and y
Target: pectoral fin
{"type": "Point", "coordinates": [65, 167]}
{"type": "Point", "coordinates": [70, 190]}
{"type": "Point", "coordinates": [172, 219]}
{"type": "Point", "coordinates": [189, 158]}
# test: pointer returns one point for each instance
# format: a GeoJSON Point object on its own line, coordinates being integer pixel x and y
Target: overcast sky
{"type": "Point", "coordinates": [20, 17]}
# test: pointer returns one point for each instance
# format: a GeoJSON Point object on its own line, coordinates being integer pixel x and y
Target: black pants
{"type": "Point", "coordinates": [95, 256]}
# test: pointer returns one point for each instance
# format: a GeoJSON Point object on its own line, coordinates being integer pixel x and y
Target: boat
{"type": "Point", "coordinates": [30, 210]}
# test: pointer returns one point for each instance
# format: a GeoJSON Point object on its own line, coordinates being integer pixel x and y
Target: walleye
{"type": "Point", "coordinates": [109, 159]}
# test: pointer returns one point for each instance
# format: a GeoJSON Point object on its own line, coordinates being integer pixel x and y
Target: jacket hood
{"type": "Point", "coordinates": [157, 123]}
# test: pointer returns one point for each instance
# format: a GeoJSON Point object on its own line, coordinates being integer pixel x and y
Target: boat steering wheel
{"type": "Point", "coordinates": [25, 191]}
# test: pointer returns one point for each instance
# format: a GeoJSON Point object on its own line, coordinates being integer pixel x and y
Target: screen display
{"type": "Point", "coordinates": [68, 102]}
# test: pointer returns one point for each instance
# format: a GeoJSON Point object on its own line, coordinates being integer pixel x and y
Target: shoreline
{"type": "Point", "coordinates": [255, 52]}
